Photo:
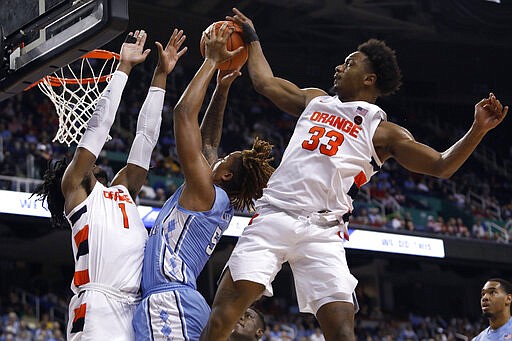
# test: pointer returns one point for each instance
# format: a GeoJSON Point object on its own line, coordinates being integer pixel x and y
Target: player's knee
{"type": "Point", "coordinates": [346, 332]}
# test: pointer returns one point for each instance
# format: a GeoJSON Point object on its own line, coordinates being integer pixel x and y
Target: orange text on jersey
{"type": "Point", "coordinates": [338, 122]}
{"type": "Point", "coordinates": [116, 196]}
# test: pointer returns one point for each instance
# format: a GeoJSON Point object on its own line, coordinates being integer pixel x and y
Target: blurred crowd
{"type": "Point", "coordinates": [475, 203]}
{"type": "Point", "coordinates": [20, 322]}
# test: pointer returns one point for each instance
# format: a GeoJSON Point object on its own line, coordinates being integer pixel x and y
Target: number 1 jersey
{"type": "Point", "coordinates": [329, 157]}
{"type": "Point", "coordinates": [108, 239]}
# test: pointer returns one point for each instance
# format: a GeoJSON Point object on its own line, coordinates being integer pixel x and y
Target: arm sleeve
{"type": "Point", "coordinates": [104, 114]}
{"type": "Point", "coordinates": [148, 128]}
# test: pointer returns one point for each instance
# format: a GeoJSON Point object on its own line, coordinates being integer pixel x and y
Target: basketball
{"type": "Point", "coordinates": [235, 40]}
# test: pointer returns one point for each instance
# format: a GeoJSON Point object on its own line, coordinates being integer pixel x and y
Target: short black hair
{"type": "Point", "coordinates": [383, 62]}
{"type": "Point", "coordinates": [261, 317]}
{"type": "Point", "coordinates": [506, 285]}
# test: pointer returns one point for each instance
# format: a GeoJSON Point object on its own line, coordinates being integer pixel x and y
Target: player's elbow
{"type": "Point", "coordinates": [179, 110]}
{"type": "Point", "coordinates": [262, 85]}
{"type": "Point", "coordinates": [443, 172]}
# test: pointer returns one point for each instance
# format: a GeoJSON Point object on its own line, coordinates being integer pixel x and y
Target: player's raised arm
{"type": "Point", "coordinates": [286, 95]}
{"type": "Point", "coordinates": [198, 193]}
{"type": "Point", "coordinates": [133, 175]}
{"type": "Point", "coordinates": [78, 180]}
{"type": "Point", "coordinates": [211, 126]}
{"type": "Point", "coordinates": [391, 140]}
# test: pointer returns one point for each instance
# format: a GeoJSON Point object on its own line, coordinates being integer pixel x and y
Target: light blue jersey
{"type": "Point", "coordinates": [179, 245]}
{"type": "Point", "coordinates": [501, 334]}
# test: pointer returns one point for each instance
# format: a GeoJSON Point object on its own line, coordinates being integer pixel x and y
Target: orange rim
{"type": "Point", "coordinates": [94, 54]}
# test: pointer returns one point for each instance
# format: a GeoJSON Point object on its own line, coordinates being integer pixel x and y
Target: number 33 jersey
{"type": "Point", "coordinates": [329, 157]}
{"type": "Point", "coordinates": [108, 239]}
{"type": "Point", "coordinates": [181, 241]}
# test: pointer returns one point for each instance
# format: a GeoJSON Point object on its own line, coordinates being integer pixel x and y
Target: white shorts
{"type": "Point", "coordinates": [315, 253]}
{"type": "Point", "coordinates": [96, 316]}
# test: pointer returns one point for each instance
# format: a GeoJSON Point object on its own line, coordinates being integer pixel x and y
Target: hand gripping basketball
{"type": "Point", "coordinates": [234, 41]}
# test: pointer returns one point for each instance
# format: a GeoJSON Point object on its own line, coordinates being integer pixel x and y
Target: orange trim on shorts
{"type": "Point", "coordinates": [80, 312]}
{"type": "Point", "coordinates": [81, 277]}
{"type": "Point", "coordinates": [82, 235]}
{"type": "Point", "coordinates": [360, 179]}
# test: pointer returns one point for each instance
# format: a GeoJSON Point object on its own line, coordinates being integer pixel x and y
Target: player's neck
{"type": "Point", "coordinates": [366, 97]}
{"type": "Point", "coordinates": [498, 321]}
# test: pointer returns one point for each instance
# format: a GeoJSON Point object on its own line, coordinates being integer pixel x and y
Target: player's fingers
{"type": "Point", "coordinates": [146, 53]}
{"type": "Point", "coordinates": [212, 32]}
{"type": "Point", "coordinates": [223, 30]}
{"type": "Point", "coordinates": [505, 111]}
{"type": "Point", "coordinates": [182, 52]}
{"type": "Point", "coordinates": [235, 74]}
{"type": "Point", "coordinates": [235, 52]}
{"type": "Point", "coordinates": [142, 38]}
{"type": "Point", "coordinates": [180, 41]}
{"type": "Point", "coordinates": [159, 47]}
{"type": "Point", "coordinates": [130, 39]}
{"type": "Point", "coordinates": [499, 106]}
{"type": "Point", "coordinates": [172, 39]}
{"type": "Point", "coordinates": [240, 14]}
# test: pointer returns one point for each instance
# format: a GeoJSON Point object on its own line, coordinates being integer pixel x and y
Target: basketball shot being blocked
{"type": "Point", "coordinates": [235, 40]}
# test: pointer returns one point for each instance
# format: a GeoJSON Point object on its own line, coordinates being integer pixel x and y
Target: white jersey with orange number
{"type": "Point", "coordinates": [329, 157]}
{"type": "Point", "coordinates": [108, 239]}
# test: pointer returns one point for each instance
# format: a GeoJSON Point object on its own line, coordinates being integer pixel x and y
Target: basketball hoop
{"type": "Point", "coordinates": [75, 89]}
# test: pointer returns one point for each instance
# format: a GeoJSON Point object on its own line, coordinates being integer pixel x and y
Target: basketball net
{"type": "Point", "coordinates": [75, 89]}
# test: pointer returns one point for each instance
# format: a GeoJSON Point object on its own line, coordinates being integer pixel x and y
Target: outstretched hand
{"type": "Point", "coordinates": [226, 77]}
{"type": "Point", "coordinates": [215, 44]}
{"type": "Point", "coordinates": [489, 112]}
{"type": "Point", "coordinates": [168, 57]}
{"type": "Point", "coordinates": [133, 53]}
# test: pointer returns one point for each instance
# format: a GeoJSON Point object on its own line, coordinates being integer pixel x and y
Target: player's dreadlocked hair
{"type": "Point", "coordinates": [51, 190]}
{"type": "Point", "coordinates": [384, 64]}
{"type": "Point", "coordinates": [251, 174]}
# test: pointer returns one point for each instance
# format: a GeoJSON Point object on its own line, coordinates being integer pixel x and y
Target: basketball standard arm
{"type": "Point", "coordinates": [211, 126]}
{"type": "Point", "coordinates": [78, 180]}
{"type": "Point", "coordinates": [133, 175]}
{"type": "Point", "coordinates": [284, 94]}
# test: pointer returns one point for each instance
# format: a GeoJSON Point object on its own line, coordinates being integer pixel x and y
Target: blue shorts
{"type": "Point", "coordinates": [175, 314]}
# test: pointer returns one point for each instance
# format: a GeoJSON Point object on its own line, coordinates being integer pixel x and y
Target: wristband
{"type": "Point", "coordinates": [249, 33]}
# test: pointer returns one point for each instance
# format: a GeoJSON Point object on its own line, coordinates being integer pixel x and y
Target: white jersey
{"type": "Point", "coordinates": [329, 157]}
{"type": "Point", "coordinates": [108, 239]}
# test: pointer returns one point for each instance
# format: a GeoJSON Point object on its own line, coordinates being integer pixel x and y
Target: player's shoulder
{"type": "Point", "coordinates": [312, 93]}
{"type": "Point", "coordinates": [480, 336]}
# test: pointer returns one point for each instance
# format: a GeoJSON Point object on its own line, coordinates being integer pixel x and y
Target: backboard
{"type": "Point", "coordinates": [38, 37]}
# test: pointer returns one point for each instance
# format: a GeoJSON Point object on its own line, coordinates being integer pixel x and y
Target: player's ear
{"type": "Point", "coordinates": [508, 300]}
{"type": "Point", "coordinates": [227, 175]}
{"type": "Point", "coordinates": [259, 333]}
{"type": "Point", "coordinates": [370, 79]}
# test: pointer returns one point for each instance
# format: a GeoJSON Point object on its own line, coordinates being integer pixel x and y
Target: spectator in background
{"type": "Point", "coordinates": [496, 299]}
{"type": "Point", "coordinates": [317, 335]}
{"type": "Point", "coordinates": [147, 192]}
{"type": "Point", "coordinates": [478, 230]}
